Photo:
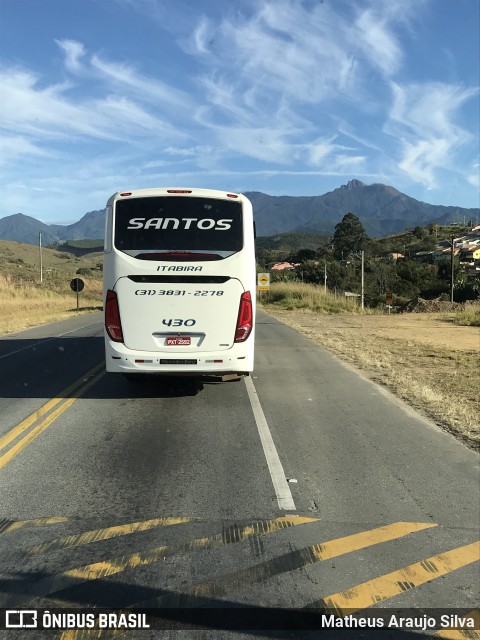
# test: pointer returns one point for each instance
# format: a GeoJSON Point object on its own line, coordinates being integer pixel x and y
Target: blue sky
{"type": "Point", "coordinates": [288, 97]}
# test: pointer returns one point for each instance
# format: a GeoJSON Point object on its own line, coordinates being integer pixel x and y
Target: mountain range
{"type": "Point", "coordinates": [382, 210]}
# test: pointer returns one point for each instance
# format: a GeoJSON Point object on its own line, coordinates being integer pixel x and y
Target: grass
{"type": "Point", "coordinates": [296, 295]}
{"type": "Point", "coordinates": [467, 318]}
{"type": "Point", "coordinates": [21, 263]}
{"type": "Point", "coordinates": [429, 363]}
{"type": "Point", "coordinates": [25, 301]}
{"type": "Point", "coordinates": [26, 305]}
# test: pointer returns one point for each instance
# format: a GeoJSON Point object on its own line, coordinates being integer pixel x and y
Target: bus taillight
{"type": "Point", "coordinates": [113, 324]}
{"type": "Point", "coordinates": [245, 318]}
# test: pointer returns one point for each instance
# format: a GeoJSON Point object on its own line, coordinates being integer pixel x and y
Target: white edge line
{"type": "Point", "coordinates": [280, 484]}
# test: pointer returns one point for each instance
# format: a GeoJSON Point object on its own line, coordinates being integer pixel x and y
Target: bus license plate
{"type": "Point", "coordinates": [162, 361]}
{"type": "Point", "coordinates": [177, 341]}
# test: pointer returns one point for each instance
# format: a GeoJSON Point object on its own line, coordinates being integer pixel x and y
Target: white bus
{"type": "Point", "coordinates": [179, 283]}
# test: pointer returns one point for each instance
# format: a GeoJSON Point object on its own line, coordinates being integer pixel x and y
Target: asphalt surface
{"type": "Point", "coordinates": [305, 486]}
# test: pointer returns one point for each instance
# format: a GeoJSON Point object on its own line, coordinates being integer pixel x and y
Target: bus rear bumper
{"type": "Point", "coordinates": [119, 359]}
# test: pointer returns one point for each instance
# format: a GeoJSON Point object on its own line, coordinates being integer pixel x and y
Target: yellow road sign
{"type": "Point", "coordinates": [263, 281]}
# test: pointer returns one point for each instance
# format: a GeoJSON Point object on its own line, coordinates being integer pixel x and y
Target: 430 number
{"type": "Point", "coordinates": [178, 322]}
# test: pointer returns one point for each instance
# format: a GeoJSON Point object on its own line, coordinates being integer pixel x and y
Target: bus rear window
{"type": "Point", "coordinates": [179, 227]}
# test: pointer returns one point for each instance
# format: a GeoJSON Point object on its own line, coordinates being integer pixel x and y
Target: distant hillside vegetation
{"type": "Point", "coordinates": [80, 247]}
{"type": "Point", "coordinates": [292, 242]}
{"type": "Point", "coordinates": [20, 262]}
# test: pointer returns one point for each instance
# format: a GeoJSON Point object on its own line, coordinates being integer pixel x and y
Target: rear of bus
{"type": "Point", "coordinates": [179, 283]}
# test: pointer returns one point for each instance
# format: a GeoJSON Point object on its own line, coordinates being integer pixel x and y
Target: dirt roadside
{"type": "Point", "coordinates": [427, 361]}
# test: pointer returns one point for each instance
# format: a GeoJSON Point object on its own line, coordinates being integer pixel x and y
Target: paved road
{"type": "Point", "coordinates": [303, 486]}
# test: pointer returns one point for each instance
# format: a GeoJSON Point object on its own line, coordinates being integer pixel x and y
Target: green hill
{"type": "Point", "coordinates": [20, 262]}
{"type": "Point", "coordinates": [291, 242]}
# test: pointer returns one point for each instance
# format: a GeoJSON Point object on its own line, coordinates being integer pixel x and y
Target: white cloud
{"type": "Point", "coordinates": [202, 36]}
{"type": "Point", "coordinates": [267, 68]}
{"type": "Point", "coordinates": [421, 160]}
{"type": "Point", "coordinates": [277, 88]}
{"type": "Point", "coordinates": [122, 77]}
{"type": "Point", "coordinates": [348, 130]}
{"type": "Point", "coordinates": [323, 153]}
{"type": "Point", "coordinates": [287, 66]}
{"type": "Point", "coordinates": [50, 113]}
{"type": "Point", "coordinates": [283, 47]}
{"type": "Point", "coordinates": [27, 108]}
{"type": "Point", "coordinates": [474, 177]}
{"type": "Point", "coordinates": [378, 43]}
{"type": "Point", "coordinates": [429, 109]}
{"type": "Point", "coordinates": [125, 77]}
{"type": "Point", "coordinates": [423, 118]}
{"type": "Point", "coordinates": [307, 53]}
{"type": "Point", "coordinates": [74, 52]}
{"type": "Point", "coordinates": [12, 147]}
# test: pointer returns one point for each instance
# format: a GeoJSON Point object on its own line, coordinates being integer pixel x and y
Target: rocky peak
{"type": "Point", "coordinates": [353, 184]}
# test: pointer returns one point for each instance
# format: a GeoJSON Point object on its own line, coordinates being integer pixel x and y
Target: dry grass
{"type": "Point", "coordinates": [467, 318]}
{"type": "Point", "coordinates": [27, 302]}
{"type": "Point", "coordinates": [430, 363]}
{"type": "Point", "coordinates": [24, 305]}
{"type": "Point", "coordinates": [297, 295]}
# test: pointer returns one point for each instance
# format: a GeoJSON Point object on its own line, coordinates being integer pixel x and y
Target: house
{"type": "Point", "coordinates": [469, 254]}
{"type": "Point", "coordinates": [425, 257]}
{"type": "Point", "coordinates": [473, 272]}
{"type": "Point", "coordinates": [441, 254]}
{"type": "Point", "coordinates": [393, 257]}
{"type": "Point", "coordinates": [281, 266]}
{"type": "Point", "coordinates": [445, 253]}
{"type": "Point", "coordinates": [473, 236]}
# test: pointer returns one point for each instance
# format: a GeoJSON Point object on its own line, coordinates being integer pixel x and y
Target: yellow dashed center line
{"type": "Point", "coordinates": [102, 569]}
{"type": "Point", "coordinates": [34, 522]}
{"type": "Point", "coordinates": [346, 602]}
{"type": "Point", "coordinates": [392, 584]}
{"type": "Point", "coordinates": [223, 585]}
{"type": "Point", "coordinates": [335, 548]}
{"type": "Point", "coordinates": [98, 535]}
{"type": "Point", "coordinates": [80, 387]}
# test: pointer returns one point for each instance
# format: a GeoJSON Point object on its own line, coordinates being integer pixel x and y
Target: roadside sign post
{"type": "Point", "coordinates": [77, 285]}
{"type": "Point", "coordinates": [263, 282]}
{"type": "Point", "coordinates": [389, 300]}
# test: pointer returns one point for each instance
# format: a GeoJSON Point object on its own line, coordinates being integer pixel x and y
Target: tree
{"type": "Point", "coordinates": [311, 271]}
{"type": "Point", "coordinates": [303, 255]}
{"type": "Point", "coordinates": [349, 236]}
{"type": "Point", "coordinates": [420, 232]}
{"type": "Point", "coordinates": [444, 270]}
{"type": "Point", "coordinates": [380, 277]}
{"type": "Point", "coordinates": [417, 279]}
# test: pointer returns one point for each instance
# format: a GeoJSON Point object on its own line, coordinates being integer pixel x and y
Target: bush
{"type": "Point", "coordinates": [469, 318]}
{"type": "Point", "coordinates": [298, 295]}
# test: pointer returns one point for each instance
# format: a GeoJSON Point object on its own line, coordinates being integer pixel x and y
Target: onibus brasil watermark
{"type": "Point", "coordinates": [237, 618]}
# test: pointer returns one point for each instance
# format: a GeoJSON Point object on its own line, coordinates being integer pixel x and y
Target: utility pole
{"type": "Point", "coordinates": [325, 276]}
{"type": "Point", "coordinates": [363, 279]}
{"type": "Point", "coordinates": [452, 276]}
{"type": "Point", "coordinates": [40, 249]}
